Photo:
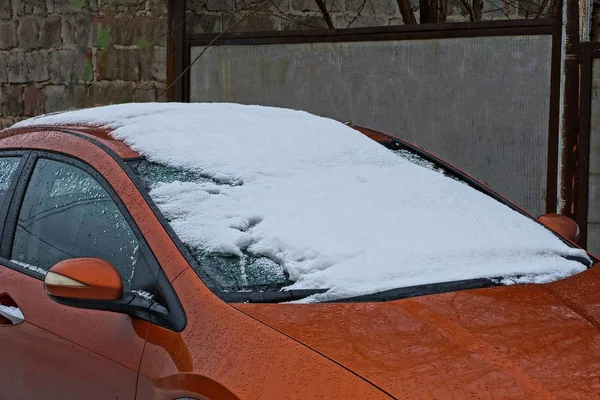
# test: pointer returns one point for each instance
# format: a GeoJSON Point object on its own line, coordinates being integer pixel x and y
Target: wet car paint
{"type": "Point", "coordinates": [185, 375]}
{"type": "Point", "coordinates": [247, 358]}
{"type": "Point", "coordinates": [524, 341]}
{"type": "Point", "coordinates": [40, 357]}
{"type": "Point", "coordinates": [530, 341]}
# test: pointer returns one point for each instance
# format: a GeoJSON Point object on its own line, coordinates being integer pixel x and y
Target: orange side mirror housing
{"type": "Point", "coordinates": [562, 225]}
{"type": "Point", "coordinates": [94, 284]}
{"type": "Point", "coordinates": [85, 279]}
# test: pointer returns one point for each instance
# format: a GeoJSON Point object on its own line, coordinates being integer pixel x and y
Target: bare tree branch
{"type": "Point", "coordinates": [296, 21]}
{"type": "Point", "coordinates": [323, 8]}
{"type": "Point", "coordinates": [491, 10]}
{"type": "Point", "coordinates": [516, 5]}
{"type": "Point", "coordinates": [542, 8]}
{"type": "Point", "coordinates": [174, 28]}
{"type": "Point", "coordinates": [408, 15]}
{"type": "Point", "coordinates": [433, 11]}
{"type": "Point", "coordinates": [477, 9]}
{"type": "Point", "coordinates": [282, 15]}
{"type": "Point", "coordinates": [507, 3]}
{"type": "Point", "coordinates": [360, 9]}
{"type": "Point", "coordinates": [469, 9]}
{"type": "Point", "coordinates": [305, 19]}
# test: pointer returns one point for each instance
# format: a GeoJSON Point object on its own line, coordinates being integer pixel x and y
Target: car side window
{"type": "Point", "coordinates": [67, 214]}
{"type": "Point", "coordinates": [8, 166]}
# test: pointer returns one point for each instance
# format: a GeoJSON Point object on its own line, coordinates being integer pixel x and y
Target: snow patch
{"type": "Point", "coordinates": [30, 267]}
{"type": "Point", "coordinates": [334, 208]}
{"type": "Point", "coordinates": [143, 294]}
{"type": "Point", "coordinates": [12, 313]}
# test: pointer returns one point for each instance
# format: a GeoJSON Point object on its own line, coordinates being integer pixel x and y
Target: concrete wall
{"type": "Point", "coordinates": [64, 54]}
{"type": "Point", "coordinates": [481, 103]}
{"type": "Point", "coordinates": [593, 238]}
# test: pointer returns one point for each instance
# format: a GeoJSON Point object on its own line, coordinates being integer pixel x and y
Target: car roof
{"type": "Point", "coordinates": [96, 134]}
{"type": "Point", "coordinates": [98, 123]}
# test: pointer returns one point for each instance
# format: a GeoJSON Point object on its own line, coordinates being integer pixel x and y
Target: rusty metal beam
{"type": "Point", "coordinates": [584, 143]}
{"type": "Point", "coordinates": [398, 32]}
{"type": "Point", "coordinates": [570, 121]}
{"type": "Point", "coordinates": [554, 120]}
{"type": "Point", "coordinates": [176, 50]}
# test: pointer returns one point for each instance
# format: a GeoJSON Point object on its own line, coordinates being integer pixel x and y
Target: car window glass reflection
{"type": "Point", "coordinates": [8, 166]}
{"type": "Point", "coordinates": [67, 214]}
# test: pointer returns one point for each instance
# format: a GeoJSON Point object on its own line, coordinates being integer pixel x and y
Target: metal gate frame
{"type": "Point", "coordinates": [589, 52]}
{"type": "Point", "coordinates": [180, 45]}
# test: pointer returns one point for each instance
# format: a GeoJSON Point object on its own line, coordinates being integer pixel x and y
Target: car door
{"type": "Point", "coordinates": [62, 209]}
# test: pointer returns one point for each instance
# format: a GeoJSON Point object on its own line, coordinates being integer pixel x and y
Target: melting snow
{"type": "Point", "coordinates": [30, 267]}
{"type": "Point", "coordinates": [12, 313]}
{"type": "Point", "coordinates": [144, 294]}
{"type": "Point", "coordinates": [334, 208]}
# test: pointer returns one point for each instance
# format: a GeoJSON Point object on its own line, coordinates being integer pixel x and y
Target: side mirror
{"type": "Point", "coordinates": [95, 284]}
{"type": "Point", "coordinates": [84, 279]}
{"type": "Point", "coordinates": [562, 225]}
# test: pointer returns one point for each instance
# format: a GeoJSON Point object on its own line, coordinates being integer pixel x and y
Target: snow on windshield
{"type": "Point", "coordinates": [334, 208]}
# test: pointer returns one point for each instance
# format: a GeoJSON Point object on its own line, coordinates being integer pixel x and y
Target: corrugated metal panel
{"type": "Point", "coordinates": [593, 239]}
{"type": "Point", "coordinates": [481, 103]}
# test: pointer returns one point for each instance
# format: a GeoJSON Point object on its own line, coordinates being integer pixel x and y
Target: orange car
{"type": "Point", "coordinates": [103, 297]}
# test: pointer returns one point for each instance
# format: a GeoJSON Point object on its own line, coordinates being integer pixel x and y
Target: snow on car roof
{"type": "Point", "coordinates": [333, 207]}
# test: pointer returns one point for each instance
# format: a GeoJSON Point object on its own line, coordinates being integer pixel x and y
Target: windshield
{"type": "Point", "coordinates": [249, 272]}
{"type": "Point", "coordinates": [232, 272]}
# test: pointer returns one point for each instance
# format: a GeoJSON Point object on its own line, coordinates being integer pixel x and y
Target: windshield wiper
{"type": "Point", "coordinates": [583, 260]}
{"type": "Point", "coordinates": [270, 297]}
{"type": "Point", "coordinates": [386, 295]}
{"type": "Point", "coordinates": [421, 290]}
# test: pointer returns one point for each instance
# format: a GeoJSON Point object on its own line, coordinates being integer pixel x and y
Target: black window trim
{"type": "Point", "coordinates": [176, 319]}
{"type": "Point", "coordinates": [23, 156]}
{"type": "Point", "coordinates": [14, 209]}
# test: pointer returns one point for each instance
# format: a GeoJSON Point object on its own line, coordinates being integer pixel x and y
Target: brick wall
{"type": "Point", "coordinates": [65, 54]}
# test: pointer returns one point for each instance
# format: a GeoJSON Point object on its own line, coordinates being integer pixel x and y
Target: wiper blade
{"type": "Point", "coordinates": [283, 296]}
{"type": "Point", "coordinates": [270, 296]}
{"type": "Point", "coordinates": [421, 290]}
{"type": "Point", "coordinates": [585, 261]}
{"type": "Point", "coordinates": [386, 295]}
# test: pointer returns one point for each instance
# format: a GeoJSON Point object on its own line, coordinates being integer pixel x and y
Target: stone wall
{"type": "Point", "coordinates": [64, 54]}
{"type": "Point", "coordinates": [205, 16]}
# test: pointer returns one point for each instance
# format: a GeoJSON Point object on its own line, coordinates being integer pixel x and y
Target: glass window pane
{"type": "Point", "coordinates": [230, 271]}
{"type": "Point", "coordinates": [8, 166]}
{"type": "Point", "coordinates": [67, 214]}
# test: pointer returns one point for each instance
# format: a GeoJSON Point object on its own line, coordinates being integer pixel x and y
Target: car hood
{"type": "Point", "coordinates": [527, 341]}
